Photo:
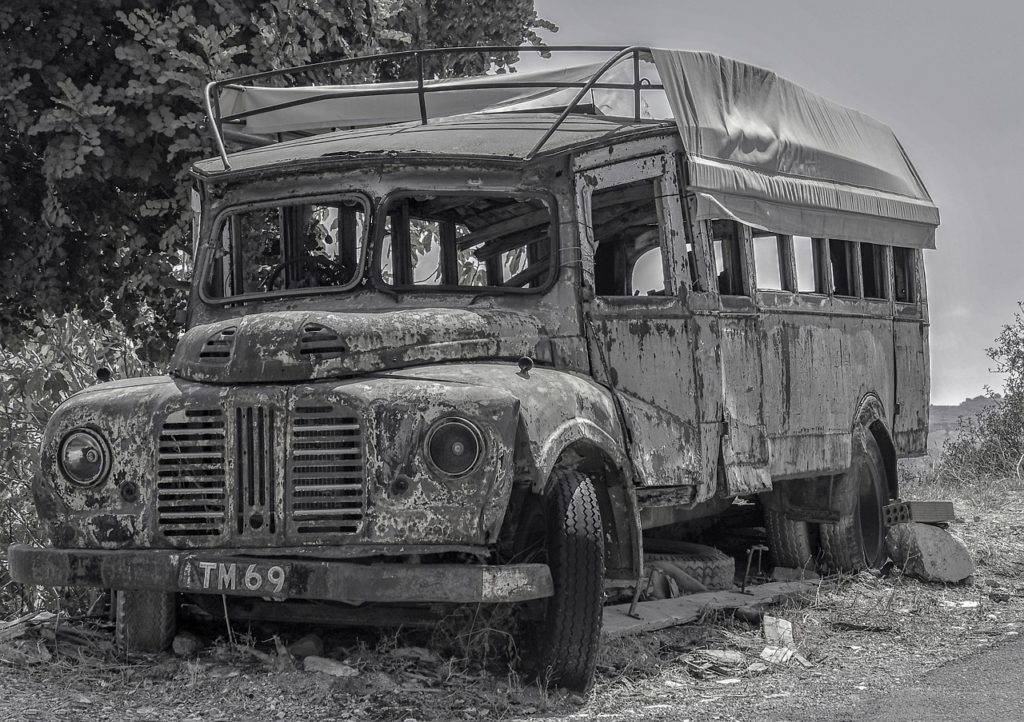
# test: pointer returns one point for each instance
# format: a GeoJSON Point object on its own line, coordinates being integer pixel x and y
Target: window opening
{"type": "Point", "coordinates": [843, 262]}
{"type": "Point", "coordinates": [726, 240]}
{"type": "Point", "coordinates": [904, 263]}
{"type": "Point", "coordinates": [466, 241]}
{"type": "Point", "coordinates": [626, 227]}
{"type": "Point", "coordinates": [281, 248]}
{"type": "Point", "coordinates": [873, 278]}
{"type": "Point", "coordinates": [768, 268]}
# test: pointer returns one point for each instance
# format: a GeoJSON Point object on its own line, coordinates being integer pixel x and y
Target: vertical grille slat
{"type": "Point", "coordinates": [255, 476]}
{"type": "Point", "coordinates": [326, 472]}
{"type": "Point", "coordinates": [190, 485]}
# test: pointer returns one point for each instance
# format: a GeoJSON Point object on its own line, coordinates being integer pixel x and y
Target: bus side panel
{"type": "Point", "coordinates": [910, 425]}
{"type": "Point", "coordinates": [817, 367]}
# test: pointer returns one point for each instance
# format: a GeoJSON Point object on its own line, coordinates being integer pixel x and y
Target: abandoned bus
{"type": "Point", "coordinates": [488, 340]}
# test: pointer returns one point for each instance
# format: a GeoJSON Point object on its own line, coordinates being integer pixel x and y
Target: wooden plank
{"type": "Point", "coordinates": [664, 613]}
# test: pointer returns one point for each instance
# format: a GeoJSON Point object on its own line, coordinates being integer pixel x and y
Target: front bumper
{"type": "Point", "coordinates": [174, 571]}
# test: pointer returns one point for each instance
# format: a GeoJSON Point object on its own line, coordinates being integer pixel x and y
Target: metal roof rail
{"type": "Point", "coordinates": [213, 92]}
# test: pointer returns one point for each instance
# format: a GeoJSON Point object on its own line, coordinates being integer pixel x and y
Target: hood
{"type": "Point", "coordinates": [290, 346]}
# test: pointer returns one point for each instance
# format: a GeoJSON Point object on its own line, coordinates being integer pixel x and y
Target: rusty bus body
{"type": "Point", "coordinates": [393, 439]}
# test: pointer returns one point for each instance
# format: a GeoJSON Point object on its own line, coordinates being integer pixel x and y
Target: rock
{"type": "Point", "coordinates": [309, 646]}
{"type": "Point", "coordinates": [929, 553]}
{"type": "Point", "coordinates": [186, 644]}
{"type": "Point", "coordinates": [328, 666]}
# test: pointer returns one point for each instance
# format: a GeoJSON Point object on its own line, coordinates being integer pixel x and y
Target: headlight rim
{"type": "Point", "coordinates": [105, 457]}
{"type": "Point", "coordinates": [478, 436]}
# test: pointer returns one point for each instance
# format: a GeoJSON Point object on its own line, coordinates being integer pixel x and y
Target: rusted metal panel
{"type": "Point", "coordinates": [223, 573]}
{"type": "Point", "coordinates": [821, 358]}
{"type": "Point", "coordinates": [910, 425]}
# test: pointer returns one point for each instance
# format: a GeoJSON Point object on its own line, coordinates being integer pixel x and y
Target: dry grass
{"type": "Point", "coordinates": [861, 636]}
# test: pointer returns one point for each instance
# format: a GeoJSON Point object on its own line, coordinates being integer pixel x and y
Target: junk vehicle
{"type": "Point", "coordinates": [471, 340]}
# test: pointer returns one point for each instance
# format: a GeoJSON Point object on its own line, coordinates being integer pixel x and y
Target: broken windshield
{"type": "Point", "coordinates": [466, 242]}
{"type": "Point", "coordinates": [293, 248]}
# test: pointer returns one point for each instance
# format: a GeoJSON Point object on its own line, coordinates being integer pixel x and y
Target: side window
{"type": "Point", "coordinates": [810, 265]}
{"type": "Point", "coordinates": [904, 266]}
{"type": "Point", "coordinates": [873, 277]}
{"type": "Point", "coordinates": [727, 245]}
{"type": "Point", "coordinates": [628, 259]}
{"type": "Point", "coordinates": [843, 259]}
{"type": "Point", "coordinates": [769, 262]}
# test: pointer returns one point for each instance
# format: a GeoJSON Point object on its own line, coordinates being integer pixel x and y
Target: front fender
{"type": "Point", "coordinates": [556, 410]}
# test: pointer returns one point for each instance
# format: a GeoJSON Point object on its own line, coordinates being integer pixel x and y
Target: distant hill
{"type": "Point", "coordinates": [943, 420]}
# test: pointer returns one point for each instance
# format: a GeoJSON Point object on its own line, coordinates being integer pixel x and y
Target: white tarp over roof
{"type": "Point", "coordinates": [760, 148]}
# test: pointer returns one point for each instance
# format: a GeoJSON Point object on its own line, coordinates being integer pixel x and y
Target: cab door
{"type": "Point", "coordinates": [640, 332]}
{"type": "Point", "coordinates": [745, 447]}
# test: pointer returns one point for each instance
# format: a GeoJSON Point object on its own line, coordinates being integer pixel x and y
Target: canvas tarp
{"type": "Point", "coordinates": [759, 148]}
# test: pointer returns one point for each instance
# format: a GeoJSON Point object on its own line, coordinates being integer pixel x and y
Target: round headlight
{"type": "Point", "coordinates": [84, 458]}
{"type": "Point", "coordinates": [454, 446]}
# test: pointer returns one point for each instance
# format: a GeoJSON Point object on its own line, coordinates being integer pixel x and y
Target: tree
{"type": "Point", "coordinates": [101, 115]}
{"type": "Point", "coordinates": [991, 444]}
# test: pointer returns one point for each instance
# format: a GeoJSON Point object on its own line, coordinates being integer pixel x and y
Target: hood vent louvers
{"type": "Point", "coordinates": [219, 347]}
{"type": "Point", "coordinates": [320, 342]}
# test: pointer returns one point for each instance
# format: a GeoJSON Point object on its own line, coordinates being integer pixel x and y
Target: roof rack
{"type": "Point", "coordinates": [424, 86]}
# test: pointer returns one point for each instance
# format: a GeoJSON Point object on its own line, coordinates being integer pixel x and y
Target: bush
{"type": "Point", "coordinates": [35, 378]}
{"type": "Point", "coordinates": [990, 445]}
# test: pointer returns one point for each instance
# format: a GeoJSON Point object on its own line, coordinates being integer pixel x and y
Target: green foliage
{"type": "Point", "coordinates": [101, 115]}
{"type": "Point", "coordinates": [990, 445]}
{"type": "Point", "coordinates": [60, 360]}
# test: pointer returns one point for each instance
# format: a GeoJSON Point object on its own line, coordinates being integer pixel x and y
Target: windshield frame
{"type": "Point", "coordinates": [208, 249]}
{"type": "Point", "coordinates": [379, 224]}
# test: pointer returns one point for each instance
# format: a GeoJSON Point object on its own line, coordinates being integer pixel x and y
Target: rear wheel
{"type": "Point", "coordinates": [791, 543]}
{"type": "Point", "coordinates": [857, 540]}
{"type": "Point", "coordinates": [146, 621]}
{"type": "Point", "coordinates": [565, 531]}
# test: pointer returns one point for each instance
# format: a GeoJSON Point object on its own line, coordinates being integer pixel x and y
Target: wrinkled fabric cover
{"type": "Point", "coordinates": [765, 151]}
{"type": "Point", "coordinates": [760, 149]}
{"type": "Point", "coordinates": [346, 111]}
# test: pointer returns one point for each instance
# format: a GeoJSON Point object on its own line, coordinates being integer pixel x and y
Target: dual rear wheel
{"type": "Point", "coordinates": [857, 540]}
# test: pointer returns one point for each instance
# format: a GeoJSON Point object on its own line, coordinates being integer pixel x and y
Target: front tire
{"type": "Point", "coordinates": [562, 649]}
{"type": "Point", "coordinates": [857, 540]}
{"type": "Point", "coordinates": [146, 621]}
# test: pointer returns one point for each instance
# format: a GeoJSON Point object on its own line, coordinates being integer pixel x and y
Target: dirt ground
{"type": "Point", "coordinates": [859, 637]}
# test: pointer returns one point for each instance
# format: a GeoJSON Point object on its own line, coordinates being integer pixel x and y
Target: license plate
{"type": "Point", "coordinates": [236, 577]}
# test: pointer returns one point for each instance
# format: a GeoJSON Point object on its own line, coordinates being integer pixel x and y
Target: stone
{"type": "Point", "coordinates": [328, 666]}
{"type": "Point", "coordinates": [309, 646]}
{"type": "Point", "coordinates": [186, 644]}
{"type": "Point", "coordinates": [929, 553]}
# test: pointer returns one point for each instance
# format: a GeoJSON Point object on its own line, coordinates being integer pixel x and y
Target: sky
{"type": "Point", "coordinates": [945, 75]}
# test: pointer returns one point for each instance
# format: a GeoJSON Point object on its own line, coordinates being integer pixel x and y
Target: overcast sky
{"type": "Point", "coordinates": [946, 75]}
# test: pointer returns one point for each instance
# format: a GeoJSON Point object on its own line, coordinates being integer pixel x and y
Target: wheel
{"type": "Point", "coordinates": [565, 531]}
{"type": "Point", "coordinates": [712, 568]}
{"type": "Point", "coordinates": [857, 540]}
{"type": "Point", "coordinates": [792, 544]}
{"type": "Point", "coordinates": [145, 621]}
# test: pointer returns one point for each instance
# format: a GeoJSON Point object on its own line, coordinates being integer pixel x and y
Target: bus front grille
{"type": "Point", "coordinates": [190, 483]}
{"type": "Point", "coordinates": [326, 472]}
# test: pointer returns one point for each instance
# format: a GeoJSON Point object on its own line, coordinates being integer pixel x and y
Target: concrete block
{"type": "Point", "coordinates": [929, 553]}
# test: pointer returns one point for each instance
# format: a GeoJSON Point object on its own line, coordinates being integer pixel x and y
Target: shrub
{"type": "Point", "coordinates": [990, 444]}
{"type": "Point", "coordinates": [35, 377]}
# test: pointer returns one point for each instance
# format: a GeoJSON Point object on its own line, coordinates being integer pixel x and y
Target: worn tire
{"type": "Point", "coordinates": [857, 540]}
{"type": "Point", "coordinates": [562, 649]}
{"type": "Point", "coordinates": [146, 621]}
{"type": "Point", "coordinates": [712, 568]}
{"type": "Point", "coordinates": [790, 543]}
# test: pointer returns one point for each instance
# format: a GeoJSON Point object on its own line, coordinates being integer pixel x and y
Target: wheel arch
{"type": "Point", "coordinates": [617, 501]}
{"type": "Point", "coordinates": [871, 415]}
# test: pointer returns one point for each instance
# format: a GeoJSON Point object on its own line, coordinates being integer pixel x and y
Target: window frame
{"type": "Point", "coordinates": [224, 215]}
{"type": "Point", "coordinates": [379, 225]}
